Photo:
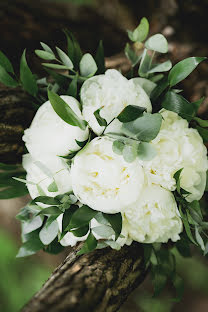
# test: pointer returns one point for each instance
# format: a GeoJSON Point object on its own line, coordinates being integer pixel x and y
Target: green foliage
{"type": "Point", "coordinates": [130, 113]}
{"type": "Point", "coordinates": [141, 32]}
{"type": "Point", "coordinates": [64, 111]}
{"type": "Point", "coordinates": [27, 78]}
{"type": "Point", "coordinates": [89, 245]}
{"type": "Point", "coordinates": [146, 151]}
{"type": "Point", "coordinates": [88, 66]}
{"type": "Point", "coordinates": [100, 59]}
{"type": "Point", "coordinates": [102, 122]}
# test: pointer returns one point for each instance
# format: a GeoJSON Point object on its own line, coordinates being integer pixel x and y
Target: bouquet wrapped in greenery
{"type": "Point", "coordinates": [111, 159]}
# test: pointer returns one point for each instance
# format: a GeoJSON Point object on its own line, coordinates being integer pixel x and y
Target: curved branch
{"type": "Point", "coordinates": [96, 282]}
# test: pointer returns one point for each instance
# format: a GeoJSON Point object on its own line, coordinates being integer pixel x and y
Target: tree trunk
{"type": "Point", "coordinates": [96, 282]}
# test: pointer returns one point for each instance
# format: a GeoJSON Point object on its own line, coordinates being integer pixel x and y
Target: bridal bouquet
{"type": "Point", "coordinates": [112, 159]}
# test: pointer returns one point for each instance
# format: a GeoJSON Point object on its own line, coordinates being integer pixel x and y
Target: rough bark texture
{"type": "Point", "coordinates": [97, 282]}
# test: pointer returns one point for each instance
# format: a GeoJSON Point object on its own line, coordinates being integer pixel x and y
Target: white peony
{"type": "Point", "coordinates": [44, 173]}
{"type": "Point", "coordinates": [50, 135]}
{"type": "Point", "coordinates": [113, 92]}
{"type": "Point", "coordinates": [154, 217]}
{"type": "Point", "coordinates": [103, 180]}
{"type": "Point", "coordinates": [178, 147]}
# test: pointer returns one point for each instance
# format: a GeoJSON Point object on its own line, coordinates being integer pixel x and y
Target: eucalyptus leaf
{"type": "Point", "coordinates": [49, 232]}
{"type": "Point", "coordinates": [144, 128]}
{"type": "Point", "coordinates": [130, 113]}
{"type": "Point", "coordinates": [129, 152]}
{"type": "Point", "coordinates": [145, 64]}
{"type": "Point", "coordinates": [146, 84]}
{"type": "Point", "coordinates": [131, 55]}
{"type": "Point", "coordinates": [157, 43]}
{"type": "Point", "coordinates": [45, 55]}
{"type": "Point", "coordinates": [47, 200]}
{"type": "Point", "coordinates": [30, 246]}
{"type": "Point", "coordinates": [27, 78]}
{"type": "Point", "coordinates": [88, 66]}
{"type": "Point", "coordinates": [163, 67]}
{"type": "Point", "coordinates": [65, 59]}
{"type": "Point", "coordinates": [141, 32]}
{"type": "Point", "coordinates": [53, 187]}
{"type": "Point", "coordinates": [89, 245]}
{"type": "Point", "coordinates": [64, 111]}
{"type": "Point", "coordinates": [146, 151]}
{"type": "Point", "coordinates": [5, 63]}
{"type": "Point", "coordinates": [32, 225]}
{"type": "Point", "coordinates": [104, 231]}
{"type": "Point", "coordinates": [183, 69]}
{"type": "Point", "coordinates": [118, 147]}
{"type": "Point", "coordinates": [72, 89]}
{"type": "Point", "coordinates": [6, 79]}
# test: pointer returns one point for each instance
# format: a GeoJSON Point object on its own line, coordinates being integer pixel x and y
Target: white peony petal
{"type": "Point", "coordinates": [103, 180]}
{"type": "Point", "coordinates": [50, 135]}
{"type": "Point", "coordinates": [113, 92]}
{"type": "Point", "coordinates": [154, 217]}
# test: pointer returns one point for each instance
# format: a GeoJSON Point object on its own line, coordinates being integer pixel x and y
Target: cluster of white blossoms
{"type": "Point", "coordinates": [141, 190]}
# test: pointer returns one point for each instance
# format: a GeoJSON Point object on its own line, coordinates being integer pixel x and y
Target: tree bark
{"type": "Point", "coordinates": [96, 282]}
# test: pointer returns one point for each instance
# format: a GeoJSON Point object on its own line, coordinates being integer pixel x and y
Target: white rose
{"type": "Point", "coordinates": [113, 92]}
{"type": "Point", "coordinates": [50, 135]}
{"type": "Point", "coordinates": [154, 217]}
{"type": "Point", "coordinates": [54, 169]}
{"type": "Point", "coordinates": [70, 239]}
{"type": "Point", "coordinates": [103, 180]}
{"type": "Point", "coordinates": [178, 147]}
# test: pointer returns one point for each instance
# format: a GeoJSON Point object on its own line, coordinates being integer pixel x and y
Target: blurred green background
{"type": "Point", "coordinates": [184, 23]}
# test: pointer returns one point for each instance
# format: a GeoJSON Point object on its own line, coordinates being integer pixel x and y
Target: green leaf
{"type": "Point", "coordinates": [45, 55]}
{"type": "Point", "coordinates": [67, 216]}
{"type": "Point", "coordinates": [157, 43]}
{"type": "Point", "coordinates": [197, 104]}
{"type": "Point", "coordinates": [32, 225]}
{"type": "Point", "coordinates": [70, 45]}
{"type": "Point", "coordinates": [53, 210]}
{"type": "Point", "coordinates": [65, 59]}
{"type": "Point", "coordinates": [13, 192]}
{"type": "Point", "coordinates": [141, 32]}
{"type": "Point", "coordinates": [178, 104]}
{"type": "Point", "coordinates": [82, 231]}
{"type": "Point", "coordinates": [54, 247]}
{"type": "Point", "coordinates": [160, 88]}
{"type": "Point", "coordinates": [131, 55]}
{"type": "Point", "coordinates": [100, 59]}
{"type": "Point", "coordinates": [47, 200]}
{"type": "Point", "coordinates": [26, 77]}
{"type": "Point", "coordinates": [82, 143]}
{"type": "Point", "coordinates": [5, 63]}
{"type": "Point", "coordinates": [31, 246]}
{"type": "Point", "coordinates": [23, 181]}
{"type": "Point", "coordinates": [65, 112]}
{"type": "Point", "coordinates": [53, 187]}
{"type": "Point", "coordinates": [159, 280]}
{"type": "Point", "coordinates": [72, 89]}
{"type": "Point", "coordinates": [130, 152]}
{"type": "Point", "coordinates": [183, 69]}
{"type": "Point", "coordinates": [195, 211]}
{"type": "Point", "coordinates": [203, 132]}
{"type": "Point", "coordinates": [179, 287]}
{"type": "Point", "coordinates": [26, 212]}
{"type": "Point", "coordinates": [46, 47]}
{"type": "Point", "coordinates": [146, 151]}
{"type": "Point", "coordinates": [145, 64]}
{"type": "Point", "coordinates": [6, 79]}
{"type": "Point", "coordinates": [102, 122]}
{"type": "Point", "coordinates": [8, 167]}
{"type": "Point", "coordinates": [118, 147]}
{"type": "Point", "coordinates": [183, 247]}
{"type": "Point", "coordinates": [187, 226]}
{"type": "Point", "coordinates": [55, 66]}
{"type": "Point", "coordinates": [49, 232]}
{"type": "Point", "coordinates": [104, 231]}
{"type": "Point", "coordinates": [88, 66]}
{"type": "Point", "coordinates": [130, 113]}
{"type": "Point", "coordinates": [144, 128]}
{"type": "Point", "coordinates": [163, 67]}
{"type": "Point", "coordinates": [199, 238]}
{"type": "Point", "coordinates": [115, 221]}
{"type": "Point", "coordinates": [203, 123]}
{"type": "Point", "coordinates": [81, 217]}
{"type": "Point", "coordinates": [89, 245]}
{"type": "Point", "coordinates": [146, 84]}
{"type": "Point", "coordinates": [40, 190]}
{"type": "Point", "coordinates": [177, 176]}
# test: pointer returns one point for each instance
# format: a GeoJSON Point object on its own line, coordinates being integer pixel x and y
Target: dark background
{"type": "Point", "coordinates": [23, 24]}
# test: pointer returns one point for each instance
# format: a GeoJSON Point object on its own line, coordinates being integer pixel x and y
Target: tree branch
{"type": "Point", "coordinates": [96, 282]}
